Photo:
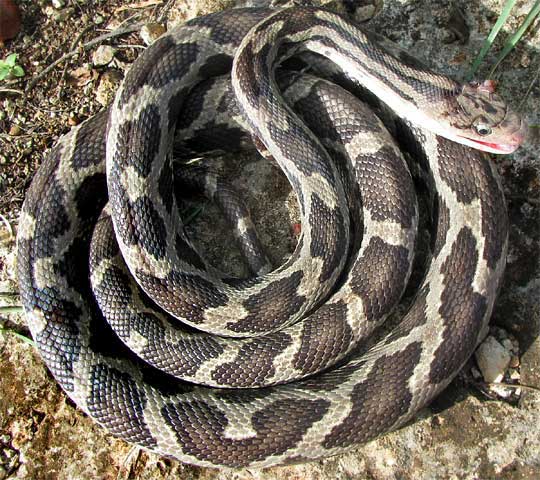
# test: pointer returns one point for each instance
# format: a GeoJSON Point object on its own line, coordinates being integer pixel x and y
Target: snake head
{"type": "Point", "coordinates": [484, 120]}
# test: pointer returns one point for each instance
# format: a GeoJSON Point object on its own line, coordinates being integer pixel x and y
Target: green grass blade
{"type": "Point", "coordinates": [491, 37]}
{"type": "Point", "coordinates": [512, 41]}
{"type": "Point", "coordinates": [191, 214]}
{"type": "Point", "coordinates": [8, 294]}
{"type": "Point", "coordinates": [10, 309]}
{"type": "Point", "coordinates": [22, 337]}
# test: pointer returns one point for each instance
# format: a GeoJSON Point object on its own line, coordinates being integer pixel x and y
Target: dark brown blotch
{"type": "Point", "coordinates": [462, 309]}
{"type": "Point", "coordinates": [216, 65]}
{"type": "Point", "coordinates": [166, 186]}
{"type": "Point", "coordinates": [254, 363]}
{"type": "Point", "coordinates": [182, 358]}
{"type": "Point", "coordinates": [328, 237]}
{"type": "Point", "coordinates": [188, 254]}
{"type": "Point", "coordinates": [272, 306]}
{"type": "Point", "coordinates": [379, 401]}
{"type": "Point", "coordinates": [379, 277]}
{"type": "Point", "coordinates": [139, 141]}
{"type": "Point", "coordinates": [162, 63]}
{"type": "Point", "coordinates": [326, 337]}
{"type": "Point", "coordinates": [200, 429]}
{"type": "Point", "coordinates": [184, 295]}
{"type": "Point", "coordinates": [116, 401]}
{"type": "Point", "coordinates": [442, 222]}
{"type": "Point", "coordinates": [59, 341]}
{"type": "Point", "coordinates": [53, 221]}
{"type": "Point", "coordinates": [90, 145]}
{"type": "Point", "coordinates": [149, 227]}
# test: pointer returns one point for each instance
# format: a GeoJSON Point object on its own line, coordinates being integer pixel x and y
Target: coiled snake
{"type": "Point", "coordinates": [344, 391]}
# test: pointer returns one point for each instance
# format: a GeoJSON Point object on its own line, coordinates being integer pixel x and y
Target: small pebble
{"type": "Point", "coordinates": [437, 421]}
{"type": "Point", "coordinates": [475, 373]}
{"type": "Point", "coordinates": [62, 15]}
{"type": "Point", "coordinates": [73, 120]}
{"type": "Point", "coordinates": [14, 130]}
{"type": "Point", "coordinates": [507, 343]}
{"type": "Point", "coordinates": [9, 453]}
{"type": "Point", "coordinates": [151, 32]}
{"type": "Point", "coordinates": [493, 359]}
{"type": "Point", "coordinates": [525, 60]}
{"type": "Point", "coordinates": [58, 3]}
{"type": "Point", "coordinates": [457, 26]}
{"type": "Point", "coordinates": [103, 55]}
{"type": "Point", "coordinates": [514, 362]}
{"type": "Point", "coordinates": [502, 391]}
{"type": "Point", "coordinates": [107, 87]}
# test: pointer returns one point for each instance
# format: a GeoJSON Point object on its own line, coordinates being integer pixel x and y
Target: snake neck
{"type": "Point", "coordinates": [411, 90]}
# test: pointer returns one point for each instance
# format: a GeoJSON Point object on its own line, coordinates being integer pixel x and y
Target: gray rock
{"type": "Point", "coordinates": [151, 32]}
{"type": "Point", "coordinates": [103, 55]}
{"type": "Point", "coordinates": [493, 359]}
{"type": "Point", "coordinates": [106, 89]}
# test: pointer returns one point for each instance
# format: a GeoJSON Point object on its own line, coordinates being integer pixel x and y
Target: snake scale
{"type": "Point", "coordinates": [245, 332]}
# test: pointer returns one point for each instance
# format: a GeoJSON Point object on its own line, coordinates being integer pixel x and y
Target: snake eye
{"type": "Point", "coordinates": [482, 129]}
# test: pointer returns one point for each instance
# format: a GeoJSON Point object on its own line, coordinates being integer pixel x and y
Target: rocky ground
{"type": "Point", "coordinates": [473, 431]}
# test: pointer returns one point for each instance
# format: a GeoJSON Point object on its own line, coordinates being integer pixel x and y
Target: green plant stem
{"type": "Point", "coordinates": [14, 309]}
{"type": "Point", "coordinates": [491, 37]}
{"type": "Point", "coordinates": [192, 214]}
{"type": "Point", "coordinates": [24, 338]}
{"type": "Point", "coordinates": [512, 41]}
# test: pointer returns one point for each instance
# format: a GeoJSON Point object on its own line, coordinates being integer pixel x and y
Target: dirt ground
{"type": "Point", "coordinates": [469, 432]}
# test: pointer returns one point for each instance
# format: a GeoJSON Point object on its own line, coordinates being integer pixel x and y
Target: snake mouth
{"type": "Point", "coordinates": [514, 141]}
{"type": "Point", "coordinates": [501, 148]}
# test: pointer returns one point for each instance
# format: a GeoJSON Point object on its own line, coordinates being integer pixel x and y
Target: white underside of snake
{"type": "Point", "coordinates": [290, 332]}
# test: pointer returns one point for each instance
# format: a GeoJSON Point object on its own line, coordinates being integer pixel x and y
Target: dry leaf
{"type": "Point", "coordinates": [81, 76]}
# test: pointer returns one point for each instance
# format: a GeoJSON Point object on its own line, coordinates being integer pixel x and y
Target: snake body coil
{"type": "Point", "coordinates": [327, 408]}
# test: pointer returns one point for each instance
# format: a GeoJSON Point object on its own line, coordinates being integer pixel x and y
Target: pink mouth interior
{"type": "Point", "coordinates": [497, 147]}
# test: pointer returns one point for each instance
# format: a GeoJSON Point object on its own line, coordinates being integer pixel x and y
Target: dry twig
{"type": "Point", "coordinates": [87, 46]}
{"type": "Point", "coordinates": [11, 90]}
